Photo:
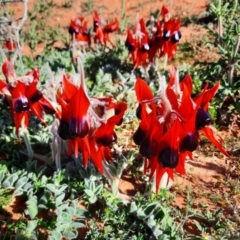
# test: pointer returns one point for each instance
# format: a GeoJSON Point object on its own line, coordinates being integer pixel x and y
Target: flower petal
{"type": "Point", "coordinates": [212, 136]}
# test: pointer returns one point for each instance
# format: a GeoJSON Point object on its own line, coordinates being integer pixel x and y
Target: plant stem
{"type": "Point", "coordinates": [27, 143]}
{"type": "Point", "coordinates": [233, 62]}
{"type": "Point", "coordinates": [220, 29]}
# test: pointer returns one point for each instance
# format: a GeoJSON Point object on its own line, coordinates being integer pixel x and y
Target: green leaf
{"type": "Point", "coordinates": [6, 184]}
{"type": "Point", "coordinates": [92, 199]}
{"type": "Point", "coordinates": [51, 187]}
{"type": "Point", "coordinates": [159, 215]}
{"type": "Point", "coordinates": [27, 186]}
{"type": "Point", "coordinates": [70, 235]}
{"type": "Point", "coordinates": [59, 199]}
{"type": "Point", "coordinates": [99, 189]}
{"type": "Point", "coordinates": [92, 186]}
{"type": "Point", "coordinates": [150, 208]}
{"type": "Point", "coordinates": [70, 211]}
{"type": "Point", "coordinates": [21, 182]}
{"type": "Point", "coordinates": [60, 190]}
{"type": "Point", "coordinates": [2, 175]}
{"type": "Point", "coordinates": [31, 225]}
{"type": "Point", "coordinates": [18, 192]}
{"type": "Point", "coordinates": [151, 222]}
{"type": "Point", "coordinates": [89, 192]}
{"type": "Point", "coordinates": [82, 213]}
{"type": "Point", "coordinates": [56, 235]}
{"type": "Point", "coordinates": [133, 207]}
{"type": "Point", "coordinates": [60, 208]}
{"type": "Point", "coordinates": [32, 211]}
{"type": "Point", "coordinates": [78, 225]}
{"type": "Point", "coordinates": [10, 180]}
{"type": "Point", "coordinates": [200, 228]}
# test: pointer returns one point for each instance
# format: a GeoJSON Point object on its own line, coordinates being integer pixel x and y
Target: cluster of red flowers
{"type": "Point", "coordinates": [81, 33]}
{"type": "Point", "coordinates": [170, 124]}
{"type": "Point", "coordinates": [160, 40]}
{"type": "Point", "coordinates": [23, 97]}
{"type": "Point", "coordinates": [88, 123]}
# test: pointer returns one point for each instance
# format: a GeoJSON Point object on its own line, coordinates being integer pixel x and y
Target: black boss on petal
{"type": "Point", "coordinates": [189, 142]}
{"type": "Point", "coordinates": [203, 119]}
{"type": "Point", "coordinates": [145, 47]}
{"type": "Point", "coordinates": [73, 30]}
{"type": "Point", "coordinates": [168, 157]}
{"type": "Point", "coordinates": [118, 111]}
{"type": "Point", "coordinates": [48, 110]}
{"type": "Point", "coordinates": [176, 37]}
{"type": "Point", "coordinates": [166, 35]}
{"type": "Point", "coordinates": [95, 25]}
{"type": "Point", "coordinates": [21, 104]}
{"type": "Point", "coordinates": [138, 136]}
{"type": "Point", "coordinates": [129, 46]}
{"type": "Point", "coordinates": [36, 96]}
{"type": "Point", "coordinates": [78, 127]}
{"type": "Point", "coordinates": [63, 130]}
{"type": "Point", "coordinates": [139, 111]}
{"type": "Point", "coordinates": [107, 139]}
{"type": "Point", "coordinates": [148, 148]}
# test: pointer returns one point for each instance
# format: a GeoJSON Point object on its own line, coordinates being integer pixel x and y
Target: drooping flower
{"type": "Point", "coordinates": [80, 32]}
{"type": "Point", "coordinates": [159, 39]}
{"type": "Point", "coordinates": [170, 125]}
{"type": "Point", "coordinates": [102, 29]}
{"type": "Point", "coordinates": [85, 122]}
{"type": "Point", "coordinates": [137, 44]}
{"type": "Point", "coordinates": [166, 36]}
{"type": "Point", "coordinates": [23, 96]}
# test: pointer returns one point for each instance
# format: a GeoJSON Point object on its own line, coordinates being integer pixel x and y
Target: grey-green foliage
{"type": "Point", "coordinates": [30, 182]}
{"type": "Point", "coordinates": [156, 217]}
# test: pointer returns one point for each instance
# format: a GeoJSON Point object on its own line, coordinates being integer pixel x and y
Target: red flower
{"type": "Point", "coordinates": [82, 122]}
{"type": "Point", "coordinates": [171, 36]}
{"type": "Point", "coordinates": [137, 44]}
{"type": "Point", "coordinates": [25, 98]}
{"type": "Point", "coordinates": [102, 30]}
{"type": "Point", "coordinates": [166, 36]}
{"type": "Point", "coordinates": [170, 125]}
{"type": "Point", "coordinates": [79, 31]}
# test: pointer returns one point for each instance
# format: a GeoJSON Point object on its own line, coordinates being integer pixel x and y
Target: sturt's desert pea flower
{"type": "Point", "coordinates": [102, 29]}
{"type": "Point", "coordinates": [23, 97]}
{"type": "Point", "coordinates": [171, 123]}
{"type": "Point", "coordinates": [87, 123]}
